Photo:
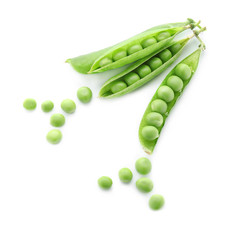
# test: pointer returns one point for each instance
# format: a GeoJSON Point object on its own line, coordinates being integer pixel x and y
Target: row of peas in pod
{"type": "Point", "coordinates": [144, 184]}
{"type": "Point", "coordinates": [57, 120]}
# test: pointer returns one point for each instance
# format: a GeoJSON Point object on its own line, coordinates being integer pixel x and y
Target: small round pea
{"type": "Point", "coordinates": [57, 120]}
{"type": "Point", "coordinates": [118, 86]}
{"type": "Point", "coordinates": [175, 48]}
{"type": "Point", "coordinates": [68, 106]}
{"type": "Point", "coordinates": [154, 119]}
{"type": "Point", "coordinates": [105, 182]}
{"type": "Point", "coordinates": [143, 70]}
{"type": "Point", "coordinates": [148, 42]}
{"type": "Point", "coordinates": [54, 136]}
{"type": "Point", "coordinates": [131, 78]}
{"type": "Point", "coordinates": [119, 55]}
{"type": "Point", "coordinates": [143, 165]}
{"type": "Point", "coordinates": [183, 71]}
{"type": "Point", "coordinates": [175, 83]}
{"type": "Point", "coordinates": [163, 35]}
{"type": "Point", "coordinates": [144, 185]}
{"type": "Point", "coordinates": [125, 175]}
{"type": "Point", "coordinates": [84, 94]}
{"type": "Point", "coordinates": [133, 49]}
{"type": "Point", "coordinates": [166, 93]}
{"type": "Point", "coordinates": [159, 106]}
{"type": "Point", "coordinates": [150, 133]}
{"type": "Point", "coordinates": [105, 61]}
{"type": "Point", "coordinates": [47, 106]}
{"type": "Point", "coordinates": [154, 63]}
{"type": "Point", "coordinates": [156, 202]}
{"type": "Point", "coordinates": [165, 55]}
{"type": "Point", "coordinates": [29, 104]}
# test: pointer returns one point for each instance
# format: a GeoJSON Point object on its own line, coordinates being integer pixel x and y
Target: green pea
{"type": "Point", "coordinates": [57, 120]}
{"type": "Point", "coordinates": [68, 106]}
{"type": "Point", "coordinates": [175, 83]}
{"type": "Point", "coordinates": [183, 71]}
{"type": "Point", "coordinates": [125, 175]}
{"type": "Point", "coordinates": [144, 185]}
{"type": "Point", "coordinates": [47, 106]}
{"type": "Point", "coordinates": [105, 182]}
{"type": "Point", "coordinates": [154, 119]}
{"type": "Point", "coordinates": [118, 86]}
{"type": "Point", "coordinates": [131, 78]}
{"type": "Point", "coordinates": [105, 61]}
{"type": "Point", "coordinates": [29, 104]}
{"type": "Point", "coordinates": [165, 55]}
{"type": "Point", "coordinates": [156, 202]}
{"type": "Point", "coordinates": [148, 42]}
{"type": "Point", "coordinates": [175, 48]}
{"type": "Point", "coordinates": [163, 35]}
{"type": "Point", "coordinates": [154, 63]}
{"type": "Point", "coordinates": [119, 55]}
{"type": "Point", "coordinates": [143, 166]}
{"type": "Point", "coordinates": [133, 49]}
{"type": "Point", "coordinates": [150, 133]}
{"type": "Point", "coordinates": [166, 93]}
{"type": "Point", "coordinates": [159, 106]}
{"type": "Point", "coordinates": [143, 70]}
{"type": "Point", "coordinates": [54, 136]}
{"type": "Point", "coordinates": [84, 94]}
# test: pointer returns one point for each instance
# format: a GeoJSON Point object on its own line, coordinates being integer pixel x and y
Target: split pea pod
{"type": "Point", "coordinates": [131, 49]}
{"type": "Point", "coordinates": [164, 100]}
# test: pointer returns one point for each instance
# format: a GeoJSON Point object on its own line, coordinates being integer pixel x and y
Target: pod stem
{"type": "Point", "coordinates": [202, 45]}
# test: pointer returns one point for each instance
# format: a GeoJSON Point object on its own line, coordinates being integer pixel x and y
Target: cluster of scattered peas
{"type": "Point", "coordinates": [165, 95]}
{"type": "Point", "coordinates": [144, 184]}
{"type": "Point", "coordinates": [54, 136]}
{"type": "Point", "coordinates": [121, 53]}
{"type": "Point", "coordinates": [145, 69]}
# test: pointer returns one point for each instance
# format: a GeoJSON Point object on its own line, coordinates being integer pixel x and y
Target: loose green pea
{"type": "Point", "coordinates": [143, 70]}
{"type": "Point", "coordinates": [183, 71]}
{"type": "Point", "coordinates": [134, 49]}
{"type": "Point", "coordinates": [105, 182]}
{"type": "Point", "coordinates": [175, 83]}
{"type": "Point", "coordinates": [166, 93]}
{"type": "Point", "coordinates": [156, 202]}
{"type": "Point", "coordinates": [144, 185]}
{"type": "Point", "coordinates": [119, 55]}
{"type": "Point", "coordinates": [131, 78]}
{"type": "Point", "coordinates": [125, 175]}
{"type": "Point", "coordinates": [163, 35]}
{"type": "Point", "coordinates": [54, 136]}
{"type": "Point", "coordinates": [175, 48]}
{"type": "Point", "coordinates": [165, 55]}
{"type": "Point", "coordinates": [57, 120]}
{"type": "Point", "coordinates": [84, 94]}
{"type": "Point", "coordinates": [150, 133]}
{"type": "Point", "coordinates": [154, 119]}
{"type": "Point", "coordinates": [68, 106]}
{"type": "Point", "coordinates": [159, 106]}
{"type": "Point", "coordinates": [148, 42]}
{"type": "Point", "coordinates": [30, 104]}
{"type": "Point", "coordinates": [105, 61]}
{"type": "Point", "coordinates": [118, 86]}
{"type": "Point", "coordinates": [154, 63]}
{"type": "Point", "coordinates": [47, 106]}
{"type": "Point", "coordinates": [143, 166]}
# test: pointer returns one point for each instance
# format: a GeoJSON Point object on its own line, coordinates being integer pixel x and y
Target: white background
{"type": "Point", "coordinates": [50, 192]}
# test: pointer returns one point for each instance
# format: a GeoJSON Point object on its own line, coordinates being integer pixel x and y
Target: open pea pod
{"type": "Point", "coordinates": [129, 50]}
{"type": "Point", "coordinates": [164, 100]}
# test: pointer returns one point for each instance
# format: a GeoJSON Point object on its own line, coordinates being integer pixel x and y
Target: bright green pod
{"type": "Point", "coordinates": [106, 59]}
{"type": "Point", "coordinates": [169, 96]}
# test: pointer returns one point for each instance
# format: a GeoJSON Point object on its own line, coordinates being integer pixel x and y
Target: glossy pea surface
{"type": "Point", "coordinates": [148, 42]}
{"type": "Point", "coordinates": [57, 120]}
{"type": "Point", "coordinates": [183, 71]}
{"type": "Point", "coordinates": [165, 55]}
{"type": "Point", "coordinates": [159, 106]}
{"type": "Point", "coordinates": [133, 49]}
{"type": "Point", "coordinates": [118, 86]}
{"type": "Point", "coordinates": [150, 133]}
{"type": "Point", "coordinates": [131, 78]}
{"type": "Point", "coordinates": [144, 185]}
{"type": "Point", "coordinates": [143, 70]}
{"type": "Point", "coordinates": [68, 106]}
{"type": "Point", "coordinates": [163, 35]}
{"type": "Point", "coordinates": [143, 166]}
{"type": "Point", "coordinates": [119, 55]}
{"type": "Point", "coordinates": [166, 93]}
{"type": "Point", "coordinates": [154, 63]}
{"type": "Point", "coordinates": [84, 94]}
{"type": "Point", "coordinates": [105, 61]}
{"type": "Point", "coordinates": [156, 202]}
{"type": "Point", "coordinates": [54, 136]}
{"type": "Point", "coordinates": [105, 182]}
{"type": "Point", "coordinates": [154, 119]}
{"type": "Point", "coordinates": [29, 104]}
{"type": "Point", "coordinates": [47, 106]}
{"type": "Point", "coordinates": [125, 175]}
{"type": "Point", "coordinates": [175, 83]}
{"type": "Point", "coordinates": [175, 48]}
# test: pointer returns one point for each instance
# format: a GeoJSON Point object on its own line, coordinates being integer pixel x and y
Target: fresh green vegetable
{"type": "Point", "coordinates": [105, 182]}
{"type": "Point", "coordinates": [84, 94]}
{"type": "Point", "coordinates": [144, 185]}
{"type": "Point", "coordinates": [29, 104]}
{"type": "Point", "coordinates": [47, 106]}
{"type": "Point", "coordinates": [156, 202]}
{"type": "Point", "coordinates": [125, 175]}
{"type": "Point", "coordinates": [54, 136]}
{"type": "Point", "coordinates": [68, 106]}
{"type": "Point", "coordinates": [143, 166]}
{"type": "Point", "coordinates": [57, 120]}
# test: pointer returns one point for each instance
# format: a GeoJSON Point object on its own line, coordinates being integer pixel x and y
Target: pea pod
{"type": "Point", "coordinates": [164, 100]}
{"type": "Point", "coordinates": [129, 50]}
